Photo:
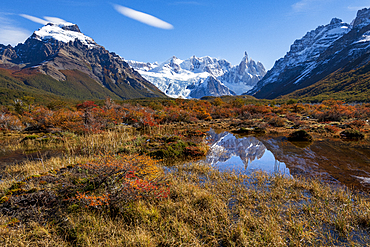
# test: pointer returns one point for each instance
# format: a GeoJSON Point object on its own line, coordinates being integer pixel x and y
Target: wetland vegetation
{"type": "Point", "coordinates": [131, 174]}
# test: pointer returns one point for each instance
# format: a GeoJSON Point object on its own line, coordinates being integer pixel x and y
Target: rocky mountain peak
{"type": "Point", "coordinates": [188, 78]}
{"type": "Point", "coordinates": [175, 64]}
{"type": "Point", "coordinates": [245, 58]}
{"type": "Point", "coordinates": [363, 18]}
{"type": "Point", "coordinates": [62, 52]}
{"type": "Point", "coordinates": [65, 32]}
{"type": "Point", "coordinates": [72, 27]}
{"type": "Point", "coordinates": [320, 52]}
{"type": "Point", "coordinates": [335, 21]}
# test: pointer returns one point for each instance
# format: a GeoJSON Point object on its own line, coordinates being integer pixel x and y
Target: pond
{"type": "Point", "coordinates": [333, 161]}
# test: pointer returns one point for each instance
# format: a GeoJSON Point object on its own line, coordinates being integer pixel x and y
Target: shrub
{"type": "Point", "coordinates": [276, 122]}
{"type": "Point", "coordinates": [331, 128]}
{"type": "Point", "coordinates": [358, 123]}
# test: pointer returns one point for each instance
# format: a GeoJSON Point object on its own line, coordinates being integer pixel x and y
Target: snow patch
{"type": "Point", "coordinates": [56, 32]}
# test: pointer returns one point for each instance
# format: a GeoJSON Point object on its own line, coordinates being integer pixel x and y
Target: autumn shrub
{"type": "Point", "coordinates": [292, 117]}
{"type": "Point", "coordinates": [357, 123]}
{"type": "Point", "coordinates": [327, 116]}
{"type": "Point", "coordinates": [103, 183]}
{"type": "Point", "coordinates": [10, 122]}
{"type": "Point", "coordinates": [68, 120]}
{"type": "Point", "coordinates": [331, 110]}
{"type": "Point", "coordinates": [274, 120]}
{"type": "Point", "coordinates": [332, 128]}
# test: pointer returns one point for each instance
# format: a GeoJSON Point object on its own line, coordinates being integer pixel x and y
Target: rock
{"type": "Point", "coordinates": [351, 134]}
{"type": "Point", "coordinates": [300, 136]}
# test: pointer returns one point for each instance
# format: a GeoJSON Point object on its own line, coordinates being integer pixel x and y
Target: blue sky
{"type": "Point", "coordinates": [221, 29]}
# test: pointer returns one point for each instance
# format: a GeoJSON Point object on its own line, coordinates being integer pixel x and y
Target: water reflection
{"type": "Point", "coordinates": [332, 161]}
{"type": "Point", "coordinates": [247, 154]}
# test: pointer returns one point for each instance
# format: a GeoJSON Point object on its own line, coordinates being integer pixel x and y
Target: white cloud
{"type": "Point", "coordinates": [11, 34]}
{"type": "Point", "coordinates": [310, 5]}
{"type": "Point", "coordinates": [46, 20]}
{"type": "Point", "coordinates": [57, 20]}
{"type": "Point", "coordinates": [143, 17]}
{"type": "Point", "coordinates": [34, 19]}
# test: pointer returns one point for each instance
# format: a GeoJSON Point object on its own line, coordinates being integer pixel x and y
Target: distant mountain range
{"type": "Point", "coordinates": [318, 63]}
{"type": "Point", "coordinates": [199, 77]}
{"type": "Point", "coordinates": [60, 61]}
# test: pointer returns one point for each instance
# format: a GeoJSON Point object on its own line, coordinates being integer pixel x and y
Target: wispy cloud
{"type": "Point", "coordinates": [352, 8]}
{"type": "Point", "coordinates": [56, 20]}
{"type": "Point", "coordinates": [310, 5]}
{"type": "Point", "coordinates": [142, 17]}
{"type": "Point", "coordinates": [10, 33]}
{"type": "Point", "coordinates": [46, 19]}
{"type": "Point", "coordinates": [302, 5]}
{"type": "Point", "coordinates": [34, 19]}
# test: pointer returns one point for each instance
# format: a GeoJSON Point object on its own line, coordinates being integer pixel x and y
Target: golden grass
{"type": "Point", "coordinates": [205, 207]}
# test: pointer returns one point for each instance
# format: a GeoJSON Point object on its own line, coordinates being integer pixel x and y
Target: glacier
{"type": "Point", "coordinates": [201, 76]}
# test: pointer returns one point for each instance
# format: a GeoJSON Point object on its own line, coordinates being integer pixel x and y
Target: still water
{"type": "Point", "coordinates": [248, 154]}
{"type": "Point", "coordinates": [333, 161]}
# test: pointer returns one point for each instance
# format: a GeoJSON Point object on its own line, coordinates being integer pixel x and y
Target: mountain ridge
{"type": "Point", "coordinates": [181, 78]}
{"type": "Point", "coordinates": [318, 54]}
{"type": "Point", "coordinates": [55, 48]}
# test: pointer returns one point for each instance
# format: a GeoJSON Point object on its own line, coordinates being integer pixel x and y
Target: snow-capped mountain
{"type": "Point", "coordinates": [319, 53]}
{"type": "Point", "coordinates": [204, 76]}
{"type": "Point", "coordinates": [64, 33]}
{"type": "Point", "coordinates": [64, 53]}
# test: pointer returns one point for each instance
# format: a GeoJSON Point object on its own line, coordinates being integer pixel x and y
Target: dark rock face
{"type": "Point", "coordinates": [318, 54]}
{"type": "Point", "coordinates": [211, 87]}
{"type": "Point", "coordinates": [362, 17]}
{"type": "Point", "coordinates": [51, 56]}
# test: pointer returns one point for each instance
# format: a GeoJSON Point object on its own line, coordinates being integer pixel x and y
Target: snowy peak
{"type": "Point", "coordinates": [250, 67]}
{"type": "Point", "coordinates": [62, 32]}
{"type": "Point", "coordinates": [142, 66]}
{"type": "Point", "coordinates": [210, 87]}
{"type": "Point", "coordinates": [319, 53]}
{"type": "Point", "coordinates": [312, 44]}
{"type": "Point", "coordinates": [362, 19]}
{"type": "Point", "coordinates": [335, 21]}
{"type": "Point", "coordinates": [201, 76]}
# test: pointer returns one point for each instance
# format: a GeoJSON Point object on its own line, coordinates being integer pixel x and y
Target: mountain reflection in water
{"type": "Point", "coordinates": [332, 161]}
{"type": "Point", "coordinates": [246, 155]}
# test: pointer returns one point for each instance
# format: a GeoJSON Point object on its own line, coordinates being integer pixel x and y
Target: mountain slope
{"type": "Point", "coordinates": [318, 54]}
{"type": "Point", "coordinates": [76, 63]}
{"type": "Point", "coordinates": [185, 78]}
{"type": "Point", "coordinates": [345, 84]}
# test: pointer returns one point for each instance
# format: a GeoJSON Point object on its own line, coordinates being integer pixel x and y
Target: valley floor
{"type": "Point", "coordinates": [141, 185]}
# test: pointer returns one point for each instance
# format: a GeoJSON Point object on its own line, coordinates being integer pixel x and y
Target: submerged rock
{"type": "Point", "coordinates": [352, 135]}
{"type": "Point", "coordinates": [300, 136]}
